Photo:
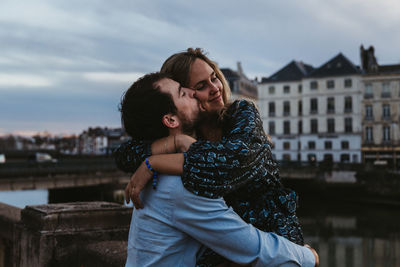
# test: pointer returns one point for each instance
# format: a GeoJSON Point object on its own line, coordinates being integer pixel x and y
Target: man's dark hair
{"type": "Point", "coordinates": [143, 106]}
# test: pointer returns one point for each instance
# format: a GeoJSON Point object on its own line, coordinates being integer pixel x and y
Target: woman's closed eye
{"type": "Point", "coordinates": [200, 87]}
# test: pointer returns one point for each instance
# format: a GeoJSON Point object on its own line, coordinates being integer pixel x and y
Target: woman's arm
{"type": "Point", "coordinates": [213, 169]}
{"type": "Point", "coordinates": [131, 154]}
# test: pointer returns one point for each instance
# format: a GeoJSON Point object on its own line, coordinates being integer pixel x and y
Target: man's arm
{"type": "Point", "coordinates": [218, 227]}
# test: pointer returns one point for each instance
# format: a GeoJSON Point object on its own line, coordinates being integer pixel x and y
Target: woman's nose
{"type": "Point", "coordinates": [213, 88]}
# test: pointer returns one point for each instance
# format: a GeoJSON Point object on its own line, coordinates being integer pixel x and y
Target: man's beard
{"type": "Point", "coordinates": [207, 122]}
{"type": "Point", "coordinates": [186, 124]}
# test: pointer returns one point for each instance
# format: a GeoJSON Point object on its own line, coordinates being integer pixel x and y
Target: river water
{"type": "Point", "coordinates": [345, 234]}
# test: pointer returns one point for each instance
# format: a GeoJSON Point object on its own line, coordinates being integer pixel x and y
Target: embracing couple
{"type": "Point", "coordinates": [205, 187]}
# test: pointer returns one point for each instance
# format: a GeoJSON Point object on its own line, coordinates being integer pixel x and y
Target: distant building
{"type": "Point", "coordinates": [281, 107]}
{"type": "Point", "coordinates": [314, 114]}
{"type": "Point", "coordinates": [380, 111]}
{"type": "Point", "coordinates": [115, 137]}
{"type": "Point", "coordinates": [240, 85]}
{"type": "Point", "coordinates": [100, 141]}
{"type": "Point", "coordinates": [332, 105]}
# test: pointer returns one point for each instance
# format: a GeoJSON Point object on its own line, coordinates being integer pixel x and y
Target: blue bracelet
{"type": "Point", "coordinates": [155, 173]}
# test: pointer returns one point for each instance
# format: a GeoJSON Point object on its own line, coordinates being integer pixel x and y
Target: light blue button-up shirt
{"type": "Point", "coordinates": [174, 224]}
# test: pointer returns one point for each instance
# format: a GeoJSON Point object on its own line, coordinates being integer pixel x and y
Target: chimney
{"type": "Point", "coordinates": [239, 68]}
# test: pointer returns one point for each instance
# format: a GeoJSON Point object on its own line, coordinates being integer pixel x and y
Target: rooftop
{"type": "Point", "coordinates": [294, 71]}
{"type": "Point", "coordinates": [337, 66]}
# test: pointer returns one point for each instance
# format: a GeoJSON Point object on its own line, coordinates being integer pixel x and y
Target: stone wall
{"type": "Point", "coordinates": [67, 234]}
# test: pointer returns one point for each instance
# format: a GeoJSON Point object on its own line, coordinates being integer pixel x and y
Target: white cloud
{"type": "Point", "coordinates": [24, 80]}
{"type": "Point", "coordinates": [111, 77]}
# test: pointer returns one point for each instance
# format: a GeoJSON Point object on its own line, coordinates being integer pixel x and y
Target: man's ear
{"type": "Point", "coordinates": [171, 121]}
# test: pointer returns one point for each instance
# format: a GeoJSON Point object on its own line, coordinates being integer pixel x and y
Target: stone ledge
{"type": "Point", "coordinates": [76, 216]}
{"type": "Point", "coordinates": [9, 217]}
{"type": "Point", "coordinates": [72, 234]}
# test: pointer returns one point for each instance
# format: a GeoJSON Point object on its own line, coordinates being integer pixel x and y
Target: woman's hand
{"type": "Point", "coordinates": [183, 142]}
{"type": "Point", "coordinates": [138, 181]}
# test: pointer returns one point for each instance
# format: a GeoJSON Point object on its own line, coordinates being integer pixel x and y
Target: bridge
{"type": "Point", "coordinates": [66, 173]}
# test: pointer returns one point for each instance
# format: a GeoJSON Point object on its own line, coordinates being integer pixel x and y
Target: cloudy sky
{"type": "Point", "coordinates": [64, 64]}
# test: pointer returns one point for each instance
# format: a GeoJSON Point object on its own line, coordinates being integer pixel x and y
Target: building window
{"type": "Point", "coordinates": [314, 85]}
{"type": "Point", "coordinates": [300, 127]}
{"type": "Point", "coordinates": [385, 111]}
{"type": "Point", "coordinates": [385, 90]}
{"type": "Point", "coordinates": [234, 86]}
{"type": "Point", "coordinates": [345, 144]}
{"type": "Point", "coordinates": [328, 144]}
{"type": "Point", "coordinates": [286, 108]}
{"type": "Point", "coordinates": [271, 90]}
{"type": "Point", "coordinates": [286, 89]}
{"type": "Point", "coordinates": [368, 91]}
{"type": "Point", "coordinates": [300, 107]}
{"type": "Point", "coordinates": [328, 157]}
{"type": "Point", "coordinates": [314, 126]}
{"type": "Point", "coordinates": [311, 144]}
{"type": "Point", "coordinates": [313, 105]}
{"type": "Point", "coordinates": [286, 145]}
{"type": "Point", "coordinates": [286, 157]}
{"type": "Point", "coordinates": [331, 125]}
{"type": "Point", "coordinates": [348, 83]}
{"type": "Point", "coordinates": [368, 134]}
{"type": "Point", "coordinates": [312, 158]}
{"type": "Point", "coordinates": [330, 105]}
{"type": "Point", "coordinates": [369, 112]}
{"type": "Point", "coordinates": [271, 109]}
{"type": "Point", "coordinates": [348, 104]}
{"type": "Point", "coordinates": [348, 125]}
{"type": "Point", "coordinates": [330, 84]}
{"type": "Point", "coordinates": [271, 127]}
{"type": "Point", "coordinates": [286, 127]}
{"type": "Point", "coordinates": [344, 158]}
{"type": "Point", "coordinates": [386, 133]}
{"type": "Point", "coordinates": [300, 88]}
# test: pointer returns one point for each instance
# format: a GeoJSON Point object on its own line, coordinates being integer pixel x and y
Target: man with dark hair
{"type": "Point", "coordinates": [174, 223]}
{"type": "Point", "coordinates": [144, 119]}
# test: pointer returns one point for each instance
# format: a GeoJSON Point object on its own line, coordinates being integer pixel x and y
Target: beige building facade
{"type": "Point", "coordinates": [380, 112]}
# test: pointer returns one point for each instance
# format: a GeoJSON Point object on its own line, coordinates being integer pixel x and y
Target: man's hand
{"type": "Point", "coordinates": [183, 142]}
{"type": "Point", "coordinates": [315, 255]}
{"type": "Point", "coordinates": [138, 181]}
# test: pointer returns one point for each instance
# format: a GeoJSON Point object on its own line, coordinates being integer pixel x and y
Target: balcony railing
{"type": "Point", "coordinates": [369, 118]}
{"type": "Point", "coordinates": [368, 96]}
